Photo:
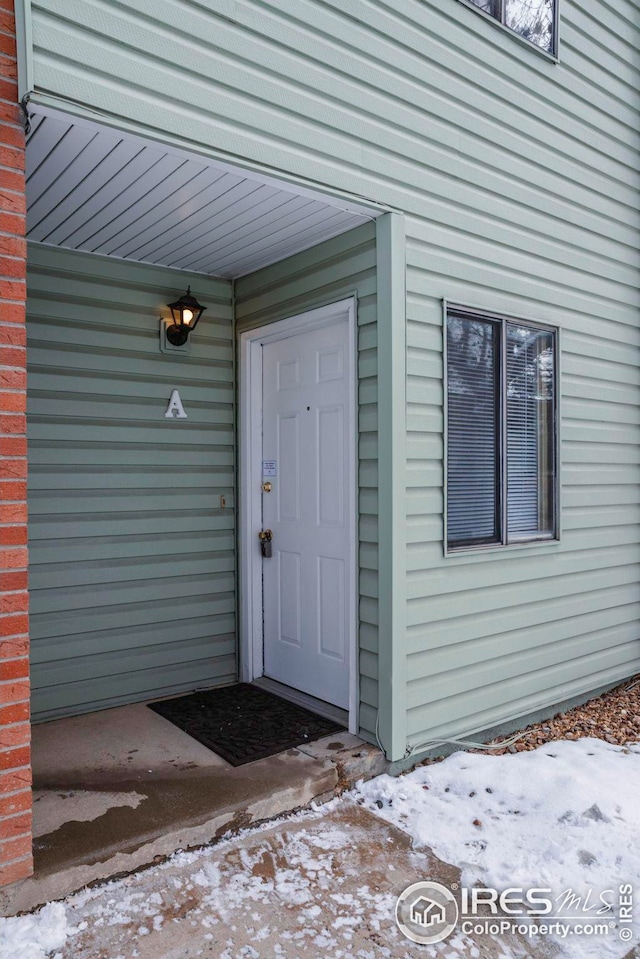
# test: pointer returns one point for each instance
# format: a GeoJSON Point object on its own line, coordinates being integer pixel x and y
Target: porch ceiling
{"type": "Point", "coordinates": [99, 190]}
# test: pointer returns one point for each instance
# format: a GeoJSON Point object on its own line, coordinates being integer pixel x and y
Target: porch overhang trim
{"type": "Point", "coordinates": [98, 188]}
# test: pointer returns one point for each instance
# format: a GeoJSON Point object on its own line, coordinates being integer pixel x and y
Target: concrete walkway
{"type": "Point", "coordinates": [318, 886]}
{"type": "Point", "coordinates": [123, 788]}
{"type": "Point", "coordinates": [120, 789]}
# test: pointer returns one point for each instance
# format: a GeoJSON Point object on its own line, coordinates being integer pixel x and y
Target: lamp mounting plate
{"type": "Point", "coordinates": [166, 346]}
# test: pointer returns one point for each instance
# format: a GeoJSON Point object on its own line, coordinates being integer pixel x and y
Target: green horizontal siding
{"type": "Point", "coordinates": [519, 180]}
{"type": "Point", "coordinates": [328, 273]}
{"type": "Point", "coordinates": [132, 561]}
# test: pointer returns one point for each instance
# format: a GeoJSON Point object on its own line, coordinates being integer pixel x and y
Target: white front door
{"type": "Point", "coordinates": [307, 456]}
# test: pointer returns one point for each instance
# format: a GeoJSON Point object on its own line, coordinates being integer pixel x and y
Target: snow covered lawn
{"type": "Point", "coordinates": [565, 817]}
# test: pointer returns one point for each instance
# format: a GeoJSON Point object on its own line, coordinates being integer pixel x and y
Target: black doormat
{"type": "Point", "coordinates": [242, 723]}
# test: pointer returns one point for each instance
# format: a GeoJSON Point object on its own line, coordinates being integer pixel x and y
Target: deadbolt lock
{"type": "Point", "coordinates": [265, 536]}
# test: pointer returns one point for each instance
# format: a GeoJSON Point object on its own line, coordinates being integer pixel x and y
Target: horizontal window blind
{"type": "Point", "coordinates": [472, 386]}
{"type": "Point", "coordinates": [501, 455]}
{"type": "Point", "coordinates": [529, 364]}
{"type": "Point", "coordinates": [522, 432]}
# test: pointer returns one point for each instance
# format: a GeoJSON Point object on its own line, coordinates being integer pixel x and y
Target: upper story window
{"type": "Point", "coordinates": [532, 19]}
{"type": "Point", "coordinates": [501, 430]}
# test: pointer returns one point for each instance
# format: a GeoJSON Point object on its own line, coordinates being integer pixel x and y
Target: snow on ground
{"type": "Point", "coordinates": [565, 816]}
{"type": "Point", "coordinates": [35, 936]}
{"type": "Point", "coordinates": [233, 894]}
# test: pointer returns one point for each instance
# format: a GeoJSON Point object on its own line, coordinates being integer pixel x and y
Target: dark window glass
{"type": "Point", "coordinates": [501, 422]}
{"type": "Point", "coordinates": [530, 429]}
{"type": "Point", "coordinates": [472, 463]}
{"type": "Point", "coordinates": [491, 7]}
{"type": "Point", "coordinates": [532, 19]}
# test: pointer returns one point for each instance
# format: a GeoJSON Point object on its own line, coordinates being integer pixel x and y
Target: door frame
{"type": "Point", "coordinates": [251, 651]}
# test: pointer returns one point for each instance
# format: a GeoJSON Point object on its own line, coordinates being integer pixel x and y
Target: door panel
{"type": "Point", "coordinates": [307, 582]}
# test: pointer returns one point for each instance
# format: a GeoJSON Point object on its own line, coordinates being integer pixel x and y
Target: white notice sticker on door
{"type": "Point", "coordinates": [269, 467]}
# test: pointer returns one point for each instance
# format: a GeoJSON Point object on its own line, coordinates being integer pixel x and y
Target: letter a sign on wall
{"type": "Point", "coordinates": [175, 409]}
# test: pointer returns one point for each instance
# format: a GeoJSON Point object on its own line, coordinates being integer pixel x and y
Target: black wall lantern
{"type": "Point", "coordinates": [185, 313]}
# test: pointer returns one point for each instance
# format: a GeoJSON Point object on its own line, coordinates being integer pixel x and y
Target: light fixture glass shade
{"type": "Point", "coordinates": [185, 313]}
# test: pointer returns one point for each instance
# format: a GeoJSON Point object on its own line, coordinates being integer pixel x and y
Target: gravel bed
{"type": "Point", "coordinates": [614, 717]}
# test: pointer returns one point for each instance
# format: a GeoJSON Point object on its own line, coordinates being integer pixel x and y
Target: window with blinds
{"type": "Point", "coordinates": [501, 443]}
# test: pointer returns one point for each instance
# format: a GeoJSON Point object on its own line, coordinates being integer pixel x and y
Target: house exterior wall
{"type": "Point", "coordinates": [132, 558]}
{"type": "Point", "coordinates": [519, 180]}
{"type": "Point", "coordinates": [15, 771]}
{"type": "Point", "coordinates": [325, 274]}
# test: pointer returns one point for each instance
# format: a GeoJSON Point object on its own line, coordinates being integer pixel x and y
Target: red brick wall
{"type": "Point", "coordinates": [15, 768]}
